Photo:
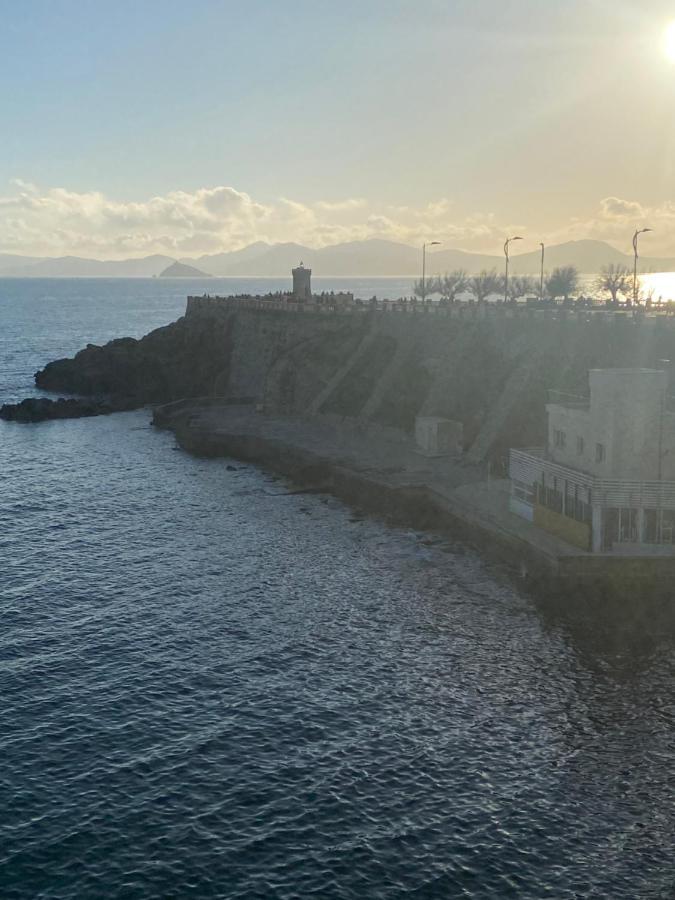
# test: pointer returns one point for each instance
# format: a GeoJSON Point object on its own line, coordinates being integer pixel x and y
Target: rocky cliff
{"type": "Point", "coordinates": [491, 372]}
{"type": "Point", "coordinates": [179, 360]}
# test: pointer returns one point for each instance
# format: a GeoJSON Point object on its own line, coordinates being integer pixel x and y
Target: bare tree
{"type": "Point", "coordinates": [614, 279]}
{"type": "Point", "coordinates": [452, 283]}
{"type": "Point", "coordinates": [484, 284]}
{"type": "Point", "coordinates": [562, 282]}
{"type": "Point", "coordinates": [431, 286]}
{"type": "Point", "coordinates": [521, 286]}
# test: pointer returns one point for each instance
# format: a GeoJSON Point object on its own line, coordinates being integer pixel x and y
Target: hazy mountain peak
{"type": "Point", "coordinates": [371, 257]}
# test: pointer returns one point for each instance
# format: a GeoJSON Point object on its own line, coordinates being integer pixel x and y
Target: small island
{"type": "Point", "coordinates": [181, 270]}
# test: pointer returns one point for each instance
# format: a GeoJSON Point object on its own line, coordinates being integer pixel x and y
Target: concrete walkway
{"type": "Point", "coordinates": [397, 463]}
{"type": "Point", "coordinates": [367, 466]}
{"type": "Point", "coordinates": [368, 470]}
{"type": "Point", "coordinates": [460, 488]}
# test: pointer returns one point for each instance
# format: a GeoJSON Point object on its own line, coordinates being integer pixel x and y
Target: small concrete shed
{"type": "Point", "coordinates": [436, 436]}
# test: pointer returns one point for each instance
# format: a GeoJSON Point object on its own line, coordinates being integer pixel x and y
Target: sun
{"type": "Point", "coordinates": [669, 42]}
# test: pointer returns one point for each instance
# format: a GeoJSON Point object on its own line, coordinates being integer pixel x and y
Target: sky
{"type": "Point", "coordinates": [183, 128]}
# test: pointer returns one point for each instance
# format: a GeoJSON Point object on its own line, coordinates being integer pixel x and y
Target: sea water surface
{"type": "Point", "coordinates": [212, 687]}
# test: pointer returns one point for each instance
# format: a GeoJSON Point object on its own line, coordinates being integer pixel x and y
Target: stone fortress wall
{"type": "Point", "coordinates": [376, 368]}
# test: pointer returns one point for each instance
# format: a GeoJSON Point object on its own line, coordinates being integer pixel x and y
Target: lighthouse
{"type": "Point", "coordinates": [302, 287]}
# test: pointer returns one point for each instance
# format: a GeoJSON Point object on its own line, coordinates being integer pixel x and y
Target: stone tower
{"type": "Point", "coordinates": [302, 287]}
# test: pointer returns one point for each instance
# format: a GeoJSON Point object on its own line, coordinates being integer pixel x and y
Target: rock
{"type": "Point", "coordinates": [176, 361]}
{"type": "Point", "coordinates": [41, 409]}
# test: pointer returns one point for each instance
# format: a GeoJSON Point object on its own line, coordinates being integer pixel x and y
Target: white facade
{"type": "Point", "coordinates": [606, 480]}
{"type": "Point", "coordinates": [623, 431]}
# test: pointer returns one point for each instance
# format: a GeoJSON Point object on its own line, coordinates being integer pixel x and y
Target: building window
{"type": "Point", "coordinates": [580, 446]}
{"type": "Point", "coordinates": [559, 438]}
{"type": "Point", "coordinates": [599, 453]}
{"type": "Point", "coordinates": [524, 492]}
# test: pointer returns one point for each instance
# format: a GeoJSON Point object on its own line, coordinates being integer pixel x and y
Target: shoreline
{"type": "Point", "coordinates": [393, 482]}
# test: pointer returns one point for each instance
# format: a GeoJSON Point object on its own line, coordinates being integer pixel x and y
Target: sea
{"type": "Point", "coordinates": [214, 687]}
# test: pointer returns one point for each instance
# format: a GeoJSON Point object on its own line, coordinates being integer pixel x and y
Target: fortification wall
{"type": "Point", "coordinates": [488, 368]}
{"type": "Point", "coordinates": [489, 371]}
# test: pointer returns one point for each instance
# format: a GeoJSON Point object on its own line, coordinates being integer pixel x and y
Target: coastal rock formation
{"type": "Point", "coordinates": [40, 409]}
{"type": "Point", "coordinates": [179, 360]}
{"type": "Point", "coordinates": [488, 370]}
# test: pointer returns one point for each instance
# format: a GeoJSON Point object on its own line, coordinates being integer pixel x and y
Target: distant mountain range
{"type": "Point", "coordinates": [79, 267]}
{"type": "Point", "coordinates": [369, 258]}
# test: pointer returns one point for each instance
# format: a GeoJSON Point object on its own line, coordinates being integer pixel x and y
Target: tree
{"type": "Point", "coordinates": [614, 279]}
{"type": "Point", "coordinates": [521, 286]}
{"type": "Point", "coordinates": [431, 286]}
{"type": "Point", "coordinates": [562, 282]}
{"type": "Point", "coordinates": [484, 284]}
{"type": "Point", "coordinates": [452, 283]}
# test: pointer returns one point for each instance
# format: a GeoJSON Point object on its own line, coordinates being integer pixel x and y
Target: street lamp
{"type": "Point", "coordinates": [424, 267]}
{"type": "Point", "coordinates": [541, 276]}
{"type": "Point", "coordinates": [635, 259]}
{"type": "Point", "coordinates": [506, 273]}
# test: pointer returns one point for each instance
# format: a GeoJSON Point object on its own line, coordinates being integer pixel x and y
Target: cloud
{"type": "Point", "coordinates": [615, 220]}
{"type": "Point", "coordinates": [616, 208]}
{"type": "Point", "coordinates": [57, 221]}
{"type": "Point", "coordinates": [348, 205]}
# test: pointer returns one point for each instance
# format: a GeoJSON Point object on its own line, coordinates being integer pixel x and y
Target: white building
{"type": "Point", "coordinates": [606, 480]}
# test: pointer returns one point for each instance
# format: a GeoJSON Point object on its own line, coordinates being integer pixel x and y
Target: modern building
{"type": "Point", "coordinates": [606, 480]}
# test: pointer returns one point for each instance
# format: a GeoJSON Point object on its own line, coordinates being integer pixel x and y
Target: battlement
{"type": "Point", "coordinates": [345, 304]}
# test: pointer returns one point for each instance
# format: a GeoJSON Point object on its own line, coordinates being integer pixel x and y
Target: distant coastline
{"type": "Point", "coordinates": [357, 259]}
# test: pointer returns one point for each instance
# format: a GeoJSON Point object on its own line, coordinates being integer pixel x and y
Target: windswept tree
{"type": "Point", "coordinates": [562, 282]}
{"type": "Point", "coordinates": [521, 286]}
{"type": "Point", "coordinates": [615, 279]}
{"type": "Point", "coordinates": [453, 283]}
{"type": "Point", "coordinates": [484, 284]}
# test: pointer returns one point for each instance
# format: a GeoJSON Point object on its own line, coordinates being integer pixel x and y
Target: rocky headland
{"type": "Point", "coordinates": [331, 399]}
{"type": "Point", "coordinates": [489, 371]}
{"type": "Point", "coordinates": [179, 360]}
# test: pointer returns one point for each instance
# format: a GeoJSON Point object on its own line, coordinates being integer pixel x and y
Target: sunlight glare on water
{"type": "Point", "coordinates": [661, 285]}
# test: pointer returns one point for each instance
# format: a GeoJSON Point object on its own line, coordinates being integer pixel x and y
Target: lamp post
{"type": "Point", "coordinates": [541, 275]}
{"type": "Point", "coordinates": [638, 231]}
{"type": "Point", "coordinates": [506, 271]}
{"type": "Point", "coordinates": [424, 267]}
